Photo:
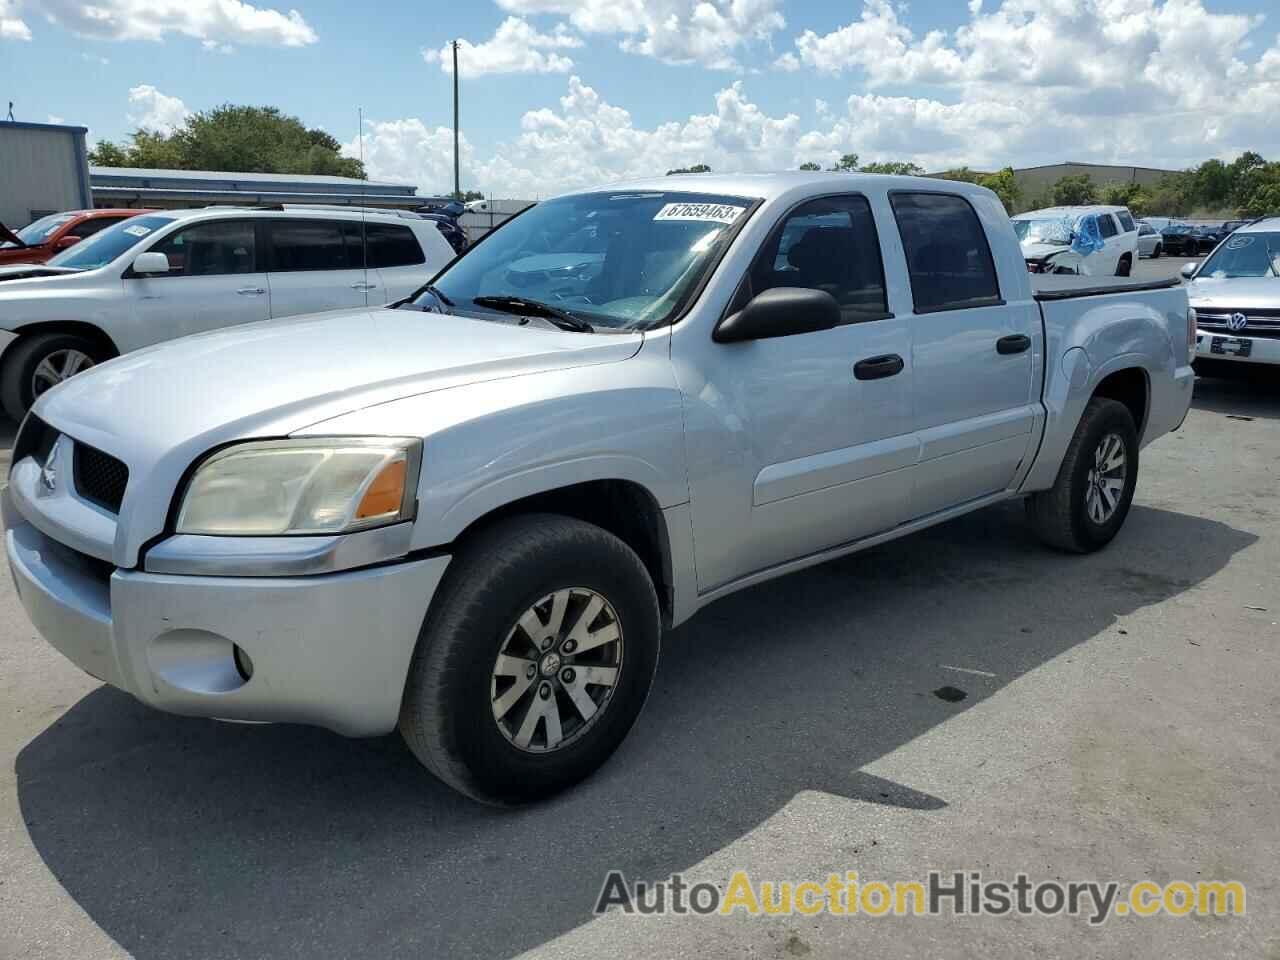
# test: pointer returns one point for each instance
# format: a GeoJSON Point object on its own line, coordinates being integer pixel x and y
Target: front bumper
{"type": "Point", "coordinates": [1263, 350]}
{"type": "Point", "coordinates": [331, 650]}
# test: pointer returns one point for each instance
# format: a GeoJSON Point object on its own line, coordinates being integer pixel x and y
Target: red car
{"type": "Point", "coordinates": [38, 241]}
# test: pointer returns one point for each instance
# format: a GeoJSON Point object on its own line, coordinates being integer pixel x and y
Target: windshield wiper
{"type": "Point", "coordinates": [561, 318]}
{"type": "Point", "coordinates": [438, 294]}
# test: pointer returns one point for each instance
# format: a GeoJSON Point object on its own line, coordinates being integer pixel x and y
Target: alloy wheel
{"type": "Point", "coordinates": [57, 366]}
{"type": "Point", "coordinates": [1105, 483]}
{"type": "Point", "coordinates": [556, 670]}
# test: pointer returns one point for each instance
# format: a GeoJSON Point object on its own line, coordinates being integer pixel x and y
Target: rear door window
{"type": "Point", "coordinates": [390, 245]}
{"type": "Point", "coordinates": [1126, 221]}
{"type": "Point", "coordinates": [948, 258]}
{"type": "Point", "coordinates": [298, 245]}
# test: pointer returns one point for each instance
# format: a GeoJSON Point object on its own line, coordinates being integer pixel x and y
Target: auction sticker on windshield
{"type": "Point", "coordinates": [137, 231]}
{"type": "Point", "coordinates": [703, 212]}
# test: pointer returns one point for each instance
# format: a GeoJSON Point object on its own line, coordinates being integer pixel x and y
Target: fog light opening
{"type": "Point", "coordinates": [244, 665]}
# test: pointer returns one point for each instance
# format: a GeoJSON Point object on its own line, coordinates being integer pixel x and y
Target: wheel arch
{"type": "Point", "coordinates": [623, 507]}
{"type": "Point", "coordinates": [1132, 387]}
{"type": "Point", "coordinates": [77, 328]}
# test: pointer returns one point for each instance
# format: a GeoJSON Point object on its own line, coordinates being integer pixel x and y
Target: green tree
{"type": "Point", "coordinates": [466, 196]}
{"type": "Point", "coordinates": [810, 165]}
{"type": "Point", "coordinates": [1075, 190]}
{"type": "Point", "coordinates": [897, 167]}
{"type": "Point", "coordinates": [1120, 194]}
{"type": "Point", "coordinates": [696, 168]}
{"type": "Point", "coordinates": [846, 164]}
{"type": "Point", "coordinates": [961, 174]}
{"type": "Point", "coordinates": [240, 139]}
{"type": "Point", "coordinates": [1004, 185]}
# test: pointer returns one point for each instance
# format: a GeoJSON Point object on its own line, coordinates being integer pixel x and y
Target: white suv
{"type": "Point", "coordinates": [1046, 237]}
{"type": "Point", "coordinates": [165, 275]}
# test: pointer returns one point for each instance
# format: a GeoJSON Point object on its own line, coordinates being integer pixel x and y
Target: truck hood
{"type": "Point", "coordinates": [1235, 292]}
{"type": "Point", "coordinates": [161, 408]}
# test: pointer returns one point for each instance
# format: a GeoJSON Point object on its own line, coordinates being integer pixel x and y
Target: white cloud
{"type": "Point", "coordinates": [153, 110]}
{"type": "Point", "coordinates": [707, 32]}
{"type": "Point", "coordinates": [215, 20]}
{"type": "Point", "coordinates": [94, 58]}
{"type": "Point", "coordinates": [515, 47]}
{"type": "Point", "coordinates": [585, 140]}
{"type": "Point", "coordinates": [12, 26]}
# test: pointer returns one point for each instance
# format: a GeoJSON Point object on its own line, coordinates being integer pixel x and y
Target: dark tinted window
{"type": "Point", "coordinates": [1126, 221]}
{"type": "Point", "coordinates": [307, 245]}
{"type": "Point", "coordinates": [88, 228]}
{"type": "Point", "coordinates": [353, 239]}
{"type": "Point", "coordinates": [1106, 225]}
{"type": "Point", "coordinates": [392, 246]}
{"type": "Point", "coordinates": [948, 258]}
{"type": "Point", "coordinates": [209, 249]}
{"type": "Point", "coordinates": [826, 244]}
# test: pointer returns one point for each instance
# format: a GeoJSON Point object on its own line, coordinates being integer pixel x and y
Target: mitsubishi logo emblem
{"type": "Point", "coordinates": [1237, 321]}
{"type": "Point", "coordinates": [49, 472]}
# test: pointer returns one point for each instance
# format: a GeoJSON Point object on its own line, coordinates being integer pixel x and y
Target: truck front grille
{"type": "Point", "coordinates": [100, 478]}
{"type": "Point", "coordinates": [35, 439]}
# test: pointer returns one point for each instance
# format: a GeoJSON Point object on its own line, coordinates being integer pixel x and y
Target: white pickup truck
{"type": "Point", "coordinates": [472, 514]}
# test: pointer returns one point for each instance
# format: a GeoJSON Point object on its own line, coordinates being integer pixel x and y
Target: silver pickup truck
{"type": "Point", "coordinates": [473, 513]}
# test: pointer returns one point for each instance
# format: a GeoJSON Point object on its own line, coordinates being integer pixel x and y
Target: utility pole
{"type": "Point", "coordinates": [457, 178]}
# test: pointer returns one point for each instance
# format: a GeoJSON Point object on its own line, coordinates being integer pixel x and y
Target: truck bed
{"type": "Point", "coordinates": [1068, 286]}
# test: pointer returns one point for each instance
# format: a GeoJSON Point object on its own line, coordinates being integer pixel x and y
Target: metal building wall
{"type": "Point", "coordinates": [43, 169]}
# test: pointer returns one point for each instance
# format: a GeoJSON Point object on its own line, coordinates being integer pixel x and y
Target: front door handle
{"type": "Point", "coordinates": [877, 368]}
{"type": "Point", "coordinates": [1014, 343]}
{"type": "Point", "coordinates": [363, 285]}
{"type": "Point", "coordinates": [251, 291]}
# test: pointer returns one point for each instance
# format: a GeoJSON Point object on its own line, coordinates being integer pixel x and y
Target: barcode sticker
{"type": "Point", "coordinates": [137, 231]}
{"type": "Point", "coordinates": [700, 212]}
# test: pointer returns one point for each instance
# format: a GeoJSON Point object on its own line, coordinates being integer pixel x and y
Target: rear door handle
{"type": "Point", "coordinates": [362, 285]}
{"type": "Point", "coordinates": [877, 368]}
{"type": "Point", "coordinates": [251, 291]}
{"type": "Point", "coordinates": [1014, 343]}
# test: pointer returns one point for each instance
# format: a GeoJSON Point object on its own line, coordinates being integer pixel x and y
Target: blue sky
{"type": "Point", "coordinates": [557, 93]}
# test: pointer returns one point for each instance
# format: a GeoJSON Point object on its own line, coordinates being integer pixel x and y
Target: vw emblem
{"type": "Point", "coordinates": [49, 471]}
{"type": "Point", "coordinates": [1237, 321]}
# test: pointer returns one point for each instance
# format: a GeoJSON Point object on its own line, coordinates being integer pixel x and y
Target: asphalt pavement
{"type": "Point", "coordinates": [1110, 717]}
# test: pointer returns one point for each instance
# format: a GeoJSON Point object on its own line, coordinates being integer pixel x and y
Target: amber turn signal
{"type": "Point", "coordinates": [386, 493]}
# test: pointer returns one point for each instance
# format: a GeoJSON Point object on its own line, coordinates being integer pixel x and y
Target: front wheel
{"type": "Point", "coordinates": [534, 661]}
{"type": "Point", "coordinates": [1155, 254]}
{"type": "Point", "coordinates": [37, 363]}
{"type": "Point", "coordinates": [1087, 504]}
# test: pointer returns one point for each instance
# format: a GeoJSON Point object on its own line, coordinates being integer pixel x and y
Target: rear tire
{"type": "Point", "coordinates": [459, 715]}
{"type": "Point", "coordinates": [1125, 266]}
{"type": "Point", "coordinates": [1085, 508]}
{"type": "Point", "coordinates": [1155, 254]}
{"type": "Point", "coordinates": [22, 376]}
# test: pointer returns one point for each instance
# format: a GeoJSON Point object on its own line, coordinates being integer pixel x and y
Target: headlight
{"type": "Point", "coordinates": [277, 487]}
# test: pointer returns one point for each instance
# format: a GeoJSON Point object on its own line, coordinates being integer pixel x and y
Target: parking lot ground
{"type": "Point", "coordinates": [1119, 721]}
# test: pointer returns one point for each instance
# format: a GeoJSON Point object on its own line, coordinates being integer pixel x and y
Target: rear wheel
{"type": "Point", "coordinates": [1089, 501]}
{"type": "Point", "coordinates": [37, 363]}
{"type": "Point", "coordinates": [534, 661]}
{"type": "Point", "coordinates": [1125, 266]}
{"type": "Point", "coordinates": [1155, 254]}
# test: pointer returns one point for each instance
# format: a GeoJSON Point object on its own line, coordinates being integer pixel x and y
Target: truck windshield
{"type": "Point", "coordinates": [36, 233]}
{"type": "Point", "coordinates": [104, 246]}
{"type": "Point", "coordinates": [1043, 231]}
{"type": "Point", "coordinates": [1245, 255]}
{"type": "Point", "coordinates": [621, 260]}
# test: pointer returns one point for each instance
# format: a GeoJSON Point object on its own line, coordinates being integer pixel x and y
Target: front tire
{"type": "Point", "coordinates": [1155, 254]}
{"type": "Point", "coordinates": [534, 661]}
{"type": "Point", "coordinates": [39, 362]}
{"type": "Point", "coordinates": [1088, 503]}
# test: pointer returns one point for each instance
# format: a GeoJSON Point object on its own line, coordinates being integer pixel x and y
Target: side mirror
{"type": "Point", "coordinates": [1187, 270]}
{"type": "Point", "coordinates": [145, 264]}
{"type": "Point", "coordinates": [68, 241]}
{"type": "Point", "coordinates": [780, 312]}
